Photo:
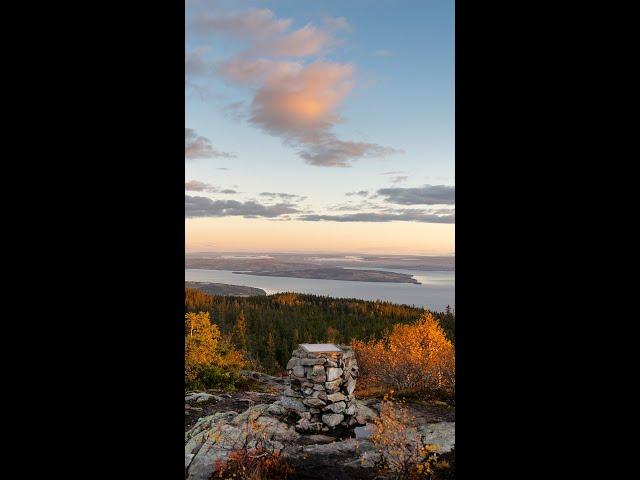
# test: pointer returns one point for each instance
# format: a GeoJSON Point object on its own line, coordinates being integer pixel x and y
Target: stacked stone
{"type": "Point", "coordinates": [321, 388]}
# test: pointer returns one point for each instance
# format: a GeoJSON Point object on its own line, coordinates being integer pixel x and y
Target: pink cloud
{"type": "Point", "coordinates": [294, 100]}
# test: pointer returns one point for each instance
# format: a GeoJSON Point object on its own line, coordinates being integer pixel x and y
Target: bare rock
{"type": "Point", "coordinates": [332, 419]}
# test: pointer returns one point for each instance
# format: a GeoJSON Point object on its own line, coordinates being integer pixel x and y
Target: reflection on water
{"type": "Point", "coordinates": [437, 289]}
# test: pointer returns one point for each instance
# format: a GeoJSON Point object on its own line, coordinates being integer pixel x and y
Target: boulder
{"type": "Point", "coordinates": [332, 419]}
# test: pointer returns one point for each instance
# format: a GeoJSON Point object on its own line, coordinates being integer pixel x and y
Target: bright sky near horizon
{"type": "Point", "coordinates": [320, 126]}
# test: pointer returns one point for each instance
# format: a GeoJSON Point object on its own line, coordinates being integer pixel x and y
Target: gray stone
{"type": "Point", "coordinates": [291, 393]}
{"type": "Point", "coordinates": [198, 397]}
{"type": "Point", "coordinates": [442, 434]}
{"type": "Point", "coordinates": [318, 386]}
{"type": "Point", "coordinates": [312, 361]}
{"type": "Point", "coordinates": [292, 404]}
{"type": "Point", "coordinates": [276, 408]}
{"type": "Point", "coordinates": [298, 371]}
{"type": "Point", "coordinates": [332, 419]}
{"type": "Point", "coordinates": [336, 397]}
{"type": "Point", "coordinates": [313, 402]}
{"type": "Point", "coordinates": [293, 362]}
{"type": "Point", "coordinates": [365, 432]}
{"type": "Point", "coordinates": [321, 395]}
{"type": "Point", "coordinates": [333, 384]}
{"type": "Point", "coordinates": [363, 412]}
{"type": "Point", "coordinates": [351, 410]}
{"type": "Point", "coordinates": [333, 373]}
{"type": "Point", "coordinates": [336, 407]}
{"type": "Point", "coordinates": [330, 363]}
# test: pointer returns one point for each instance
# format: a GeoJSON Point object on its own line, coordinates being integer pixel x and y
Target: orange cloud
{"type": "Point", "coordinates": [294, 100]}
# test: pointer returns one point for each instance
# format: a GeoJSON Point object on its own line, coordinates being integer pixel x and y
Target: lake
{"type": "Point", "coordinates": [437, 289]}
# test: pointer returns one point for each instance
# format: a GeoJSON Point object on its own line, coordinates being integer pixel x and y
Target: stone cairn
{"type": "Point", "coordinates": [322, 381]}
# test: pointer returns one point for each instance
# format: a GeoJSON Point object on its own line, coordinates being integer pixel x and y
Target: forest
{"type": "Point", "coordinates": [269, 328]}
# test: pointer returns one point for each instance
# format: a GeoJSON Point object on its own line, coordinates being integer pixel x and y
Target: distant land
{"type": "Point", "coordinates": [339, 274]}
{"type": "Point", "coordinates": [352, 267]}
{"type": "Point", "coordinates": [224, 289]}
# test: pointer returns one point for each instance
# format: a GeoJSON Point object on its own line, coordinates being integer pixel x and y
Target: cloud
{"type": "Point", "coordinates": [406, 216]}
{"type": "Point", "coordinates": [332, 152]}
{"type": "Point", "coordinates": [255, 24]}
{"type": "Point", "coordinates": [197, 146]}
{"type": "Point", "coordinates": [292, 99]}
{"type": "Point", "coordinates": [426, 195]}
{"type": "Point", "coordinates": [205, 207]}
{"type": "Point", "coordinates": [362, 193]}
{"type": "Point", "coordinates": [283, 196]}
{"type": "Point", "coordinates": [395, 172]}
{"type": "Point", "coordinates": [198, 186]}
{"type": "Point", "coordinates": [399, 179]}
{"type": "Point", "coordinates": [264, 33]}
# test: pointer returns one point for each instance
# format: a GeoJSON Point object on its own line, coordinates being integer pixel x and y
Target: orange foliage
{"type": "Point", "coordinates": [411, 358]}
{"type": "Point", "coordinates": [403, 451]}
{"type": "Point", "coordinates": [205, 346]}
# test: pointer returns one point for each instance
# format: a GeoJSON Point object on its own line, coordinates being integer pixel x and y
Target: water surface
{"type": "Point", "coordinates": [437, 289]}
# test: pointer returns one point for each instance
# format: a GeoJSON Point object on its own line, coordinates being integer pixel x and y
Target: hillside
{"type": "Point", "coordinates": [276, 324]}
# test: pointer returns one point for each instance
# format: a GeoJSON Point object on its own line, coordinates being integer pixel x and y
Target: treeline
{"type": "Point", "coordinates": [271, 327]}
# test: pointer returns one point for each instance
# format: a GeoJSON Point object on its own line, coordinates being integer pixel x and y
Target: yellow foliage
{"type": "Point", "coordinates": [416, 357]}
{"type": "Point", "coordinates": [402, 449]}
{"type": "Point", "coordinates": [205, 346]}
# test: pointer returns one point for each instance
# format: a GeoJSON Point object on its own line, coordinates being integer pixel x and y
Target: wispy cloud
{"type": "Point", "coordinates": [361, 193]}
{"type": "Point", "coordinates": [283, 196]}
{"type": "Point", "coordinates": [197, 146]}
{"type": "Point", "coordinates": [292, 99]}
{"type": "Point", "coordinates": [406, 216]}
{"type": "Point", "coordinates": [425, 195]}
{"type": "Point", "coordinates": [205, 207]}
{"type": "Point", "coordinates": [198, 186]}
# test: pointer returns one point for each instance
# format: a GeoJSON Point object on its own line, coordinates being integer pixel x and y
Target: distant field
{"type": "Point", "coordinates": [224, 289]}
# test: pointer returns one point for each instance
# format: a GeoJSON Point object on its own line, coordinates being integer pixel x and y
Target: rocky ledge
{"type": "Point", "coordinates": [218, 424]}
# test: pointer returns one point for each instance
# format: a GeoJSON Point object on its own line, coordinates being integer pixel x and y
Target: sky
{"type": "Point", "coordinates": [320, 126]}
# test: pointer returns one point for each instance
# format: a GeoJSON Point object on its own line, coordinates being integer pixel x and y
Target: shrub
{"type": "Point", "coordinates": [404, 454]}
{"type": "Point", "coordinates": [412, 358]}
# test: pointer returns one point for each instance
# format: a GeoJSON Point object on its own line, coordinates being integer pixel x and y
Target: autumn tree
{"type": "Point", "coordinates": [411, 358]}
{"type": "Point", "coordinates": [210, 359]}
{"type": "Point", "coordinates": [200, 342]}
{"type": "Point", "coordinates": [239, 334]}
